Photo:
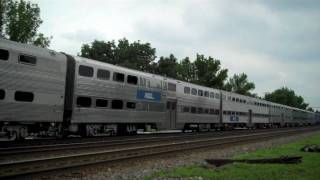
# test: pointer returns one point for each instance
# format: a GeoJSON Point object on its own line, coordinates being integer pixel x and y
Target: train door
{"type": "Point", "coordinates": [171, 113]}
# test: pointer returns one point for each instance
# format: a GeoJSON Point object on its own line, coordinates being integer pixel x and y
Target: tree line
{"type": "Point", "coordinates": [20, 20]}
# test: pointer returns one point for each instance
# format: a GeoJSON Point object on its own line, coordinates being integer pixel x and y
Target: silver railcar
{"type": "Point", "coordinates": [49, 93]}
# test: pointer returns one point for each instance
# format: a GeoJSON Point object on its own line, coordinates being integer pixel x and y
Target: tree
{"type": "Point", "coordinates": [186, 70]}
{"type": "Point", "coordinates": [310, 109]}
{"type": "Point", "coordinates": [100, 51]}
{"type": "Point", "coordinates": [167, 66]}
{"type": "Point", "coordinates": [20, 21]}
{"type": "Point", "coordinates": [239, 84]}
{"type": "Point", "coordinates": [209, 72]}
{"type": "Point", "coordinates": [287, 97]}
{"type": "Point", "coordinates": [134, 55]}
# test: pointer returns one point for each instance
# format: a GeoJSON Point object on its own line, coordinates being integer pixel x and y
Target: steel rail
{"type": "Point", "coordinates": [109, 143]}
{"type": "Point", "coordinates": [47, 164]}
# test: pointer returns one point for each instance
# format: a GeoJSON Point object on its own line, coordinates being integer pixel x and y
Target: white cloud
{"type": "Point", "coordinates": [276, 43]}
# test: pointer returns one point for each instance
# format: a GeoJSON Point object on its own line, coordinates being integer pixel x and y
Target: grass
{"type": "Point", "coordinates": [308, 169]}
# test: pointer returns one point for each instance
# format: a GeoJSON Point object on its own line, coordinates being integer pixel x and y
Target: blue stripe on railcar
{"type": "Point", "coordinates": [149, 95]}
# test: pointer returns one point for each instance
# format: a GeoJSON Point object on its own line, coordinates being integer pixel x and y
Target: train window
{"type": "Point", "coordinates": [117, 104]}
{"type": "Point", "coordinates": [229, 98]}
{"type": "Point", "coordinates": [24, 96]}
{"type": "Point", "coordinates": [142, 81]}
{"type": "Point", "coordinates": [211, 95]}
{"type": "Point", "coordinates": [103, 103]}
{"type": "Point", "coordinates": [233, 99]}
{"type": "Point", "coordinates": [217, 95]}
{"type": "Point", "coordinates": [86, 71]}
{"type": "Point", "coordinates": [206, 94]}
{"type": "Point", "coordinates": [131, 105]}
{"type": "Point", "coordinates": [200, 92]}
{"type": "Point", "coordinates": [193, 110]}
{"type": "Point", "coordinates": [228, 112]}
{"type": "Point", "coordinates": [152, 106]}
{"type": "Point", "coordinates": [217, 111]}
{"type": "Point", "coordinates": [171, 87]}
{"type": "Point", "coordinates": [206, 111]}
{"type": "Point", "coordinates": [164, 85]}
{"type": "Point", "coordinates": [244, 101]}
{"type": "Point", "coordinates": [224, 97]}
{"type": "Point", "coordinates": [240, 100]}
{"type": "Point", "coordinates": [4, 54]}
{"type": "Point", "coordinates": [168, 105]}
{"type": "Point", "coordinates": [173, 105]}
{"type": "Point", "coordinates": [200, 110]}
{"type": "Point", "coordinates": [119, 77]}
{"type": "Point", "coordinates": [132, 80]}
{"type": "Point", "coordinates": [211, 111]}
{"type": "Point", "coordinates": [2, 94]}
{"type": "Point", "coordinates": [224, 112]}
{"type": "Point", "coordinates": [186, 90]}
{"type": "Point", "coordinates": [194, 91]}
{"type": "Point", "coordinates": [103, 74]}
{"type": "Point", "coordinates": [185, 109]}
{"type": "Point", "coordinates": [237, 99]}
{"type": "Point", "coordinates": [26, 59]}
{"type": "Point", "coordinates": [83, 101]}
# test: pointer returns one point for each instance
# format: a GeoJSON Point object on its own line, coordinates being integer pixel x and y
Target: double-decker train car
{"type": "Point", "coordinates": [47, 93]}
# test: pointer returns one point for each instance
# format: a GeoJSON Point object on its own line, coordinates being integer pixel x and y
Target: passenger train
{"type": "Point", "coordinates": [47, 93]}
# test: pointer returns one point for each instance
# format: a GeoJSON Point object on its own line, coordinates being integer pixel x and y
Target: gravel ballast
{"type": "Point", "coordinates": [139, 167]}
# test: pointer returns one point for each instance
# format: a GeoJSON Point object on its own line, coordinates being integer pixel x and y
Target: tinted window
{"type": "Point", "coordinates": [117, 104]}
{"type": "Point", "coordinates": [193, 110]}
{"type": "Point", "coordinates": [103, 74]}
{"type": "Point", "coordinates": [118, 77]}
{"type": "Point", "coordinates": [200, 92]}
{"type": "Point", "coordinates": [23, 96]}
{"type": "Point", "coordinates": [85, 71]}
{"type": "Point", "coordinates": [194, 91]}
{"type": "Point", "coordinates": [168, 105]}
{"type": "Point", "coordinates": [171, 87]}
{"type": "Point", "coordinates": [206, 94]}
{"type": "Point", "coordinates": [4, 54]}
{"type": "Point", "coordinates": [132, 79]}
{"type": "Point", "coordinates": [185, 109]}
{"type": "Point", "coordinates": [27, 59]}
{"type": "Point", "coordinates": [83, 101]}
{"type": "Point", "coordinates": [101, 103]}
{"type": "Point", "coordinates": [131, 105]}
{"type": "Point", "coordinates": [200, 110]}
{"type": "Point", "coordinates": [206, 111]}
{"type": "Point", "coordinates": [2, 94]}
{"type": "Point", "coordinates": [211, 111]}
{"type": "Point", "coordinates": [186, 90]}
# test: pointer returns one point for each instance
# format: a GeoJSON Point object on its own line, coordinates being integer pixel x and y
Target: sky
{"type": "Point", "coordinates": [275, 42]}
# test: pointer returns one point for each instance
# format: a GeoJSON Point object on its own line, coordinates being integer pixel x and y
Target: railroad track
{"type": "Point", "coordinates": [21, 167]}
{"type": "Point", "coordinates": [112, 142]}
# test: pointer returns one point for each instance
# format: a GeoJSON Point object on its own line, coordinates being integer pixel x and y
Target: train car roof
{"type": "Point", "coordinates": [32, 50]}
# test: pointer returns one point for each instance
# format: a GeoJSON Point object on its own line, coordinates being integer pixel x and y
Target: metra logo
{"type": "Point", "coordinates": [148, 95]}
